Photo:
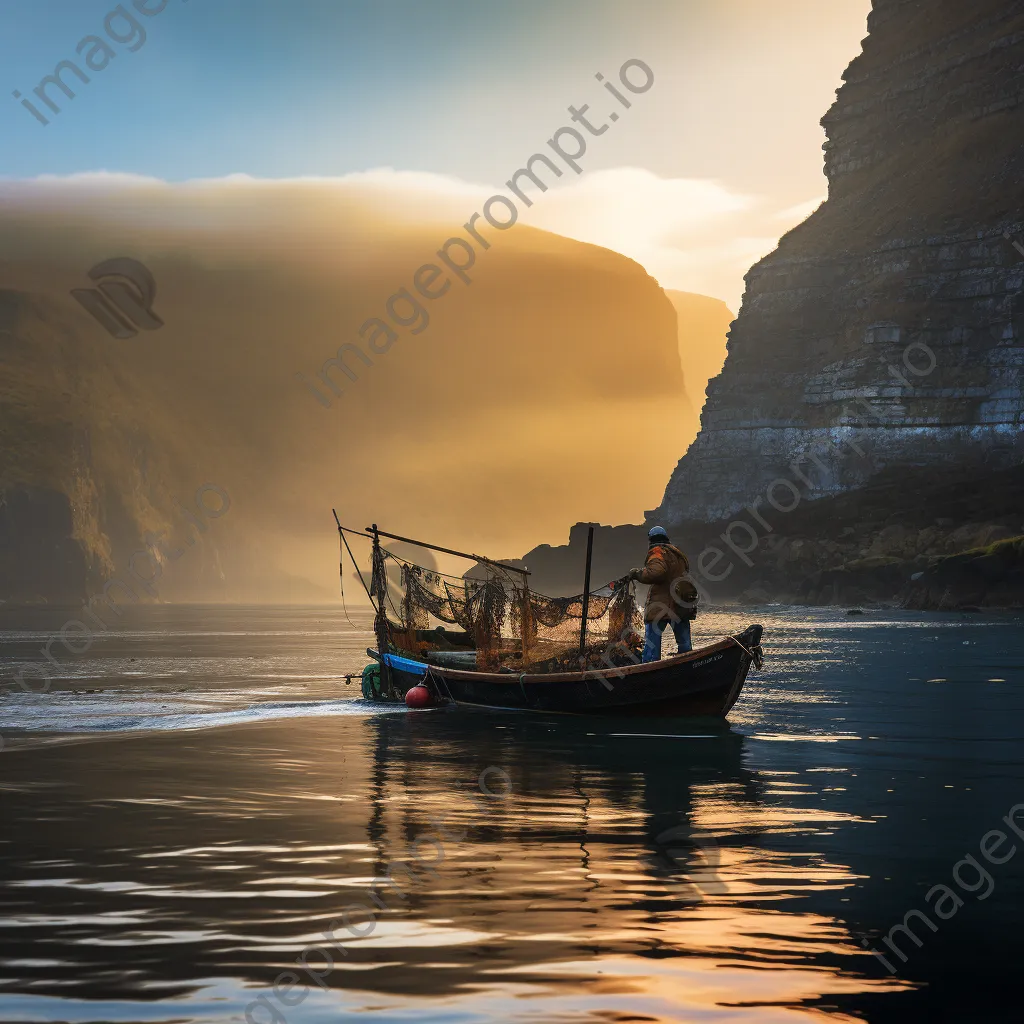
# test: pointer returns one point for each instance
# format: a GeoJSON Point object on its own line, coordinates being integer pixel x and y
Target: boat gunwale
{"type": "Point", "coordinates": [643, 668]}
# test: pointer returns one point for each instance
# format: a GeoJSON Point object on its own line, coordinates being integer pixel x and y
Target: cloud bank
{"type": "Point", "coordinates": [689, 234]}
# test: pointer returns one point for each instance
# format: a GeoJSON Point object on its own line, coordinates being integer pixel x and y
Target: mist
{"type": "Point", "coordinates": [544, 389]}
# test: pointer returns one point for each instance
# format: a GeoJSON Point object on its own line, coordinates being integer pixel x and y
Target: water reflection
{"type": "Point", "coordinates": [636, 871]}
{"type": "Point", "coordinates": [622, 877]}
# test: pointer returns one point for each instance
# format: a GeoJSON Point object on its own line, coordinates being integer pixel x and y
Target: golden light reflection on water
{"type": "Point", "coordinates": [621, 878]}
{"type": "Point", "coordinates": [710, 988]}
{"type": "Point", "coordinates": [711, 875]}
{"type": "Point", "coordinates": [566, 864]}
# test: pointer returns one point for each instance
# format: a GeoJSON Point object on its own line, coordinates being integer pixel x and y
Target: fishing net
{"type": "Point", "coordinates": [504, 626]}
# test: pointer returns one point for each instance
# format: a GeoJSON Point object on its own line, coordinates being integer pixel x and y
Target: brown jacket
{"type": "Point", "coordinates": [665, 570]}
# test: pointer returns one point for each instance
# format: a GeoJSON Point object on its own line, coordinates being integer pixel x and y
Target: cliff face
{"type": "Point", "coordinates": [703, 325]}
{"type": "Point", "coordinates": [485, 431]}
{"type": "Point", "coordinates": [886, 330]}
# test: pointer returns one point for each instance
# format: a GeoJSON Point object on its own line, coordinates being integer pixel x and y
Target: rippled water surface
{"type": "Point", "coordinates": [201, 796]}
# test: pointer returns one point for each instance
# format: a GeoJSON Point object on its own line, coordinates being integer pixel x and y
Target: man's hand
{"type": "Point", "coordinates": [634, 574]}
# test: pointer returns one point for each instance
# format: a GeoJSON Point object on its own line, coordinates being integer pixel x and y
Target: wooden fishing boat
{"type": "Point", "coordinates": [707, 682]}
{"type": "Point", "coordinates": [518, 650]}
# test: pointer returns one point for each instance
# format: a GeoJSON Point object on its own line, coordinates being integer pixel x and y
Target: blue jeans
{"type": "Point", "coordinates": [652, 648]}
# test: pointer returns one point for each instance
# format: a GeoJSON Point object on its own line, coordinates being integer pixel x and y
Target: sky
{"type": "Point", "coordinates": [695, 180]}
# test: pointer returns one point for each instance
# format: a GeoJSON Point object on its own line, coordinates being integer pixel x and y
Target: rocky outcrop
{"type": "Point", "coordinates": [988, 576]}
{"type": "Point", "coordinates": [558, 570]}
{"type": "Point", "coordinates": [902, 539]}
{"type": "Point", "coordinates": [867, 546]}
{"type": "Point", "coordinates": [885, 331]}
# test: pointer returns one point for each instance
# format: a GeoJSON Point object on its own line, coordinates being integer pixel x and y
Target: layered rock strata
{"type": "Point", "coordinates": [885, 331]}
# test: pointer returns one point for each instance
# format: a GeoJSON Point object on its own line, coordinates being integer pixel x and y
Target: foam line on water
{"type": "Point", "coordinates": [63, 716]}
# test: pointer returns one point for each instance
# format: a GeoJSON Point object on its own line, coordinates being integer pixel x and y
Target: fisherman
{"type": "Point", "coordinates": [672, 597]}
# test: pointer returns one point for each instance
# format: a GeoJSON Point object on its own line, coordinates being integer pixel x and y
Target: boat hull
{"type": "Point", "coordinates": [705, 682]}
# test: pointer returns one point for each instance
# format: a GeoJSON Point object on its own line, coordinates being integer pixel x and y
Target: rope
{"type": "Point", "coordinates": [741, 647]}
{"type": "Point", "coordinates": [341, 575]}
{"type": "Point", "coordinates": [438, 680]}
{"type": "Point", "coordinates": [526, 700]}
{"type": "Point", "coordinates": [355, 564]}
{"type": "Point", "coordinates": [729, 636]}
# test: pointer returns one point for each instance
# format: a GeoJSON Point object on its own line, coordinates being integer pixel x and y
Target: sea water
{"type": "Point", "coordinates": [203, 820]}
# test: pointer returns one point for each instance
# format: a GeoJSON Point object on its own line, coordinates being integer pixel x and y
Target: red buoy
{"type": "Point", "coordinates": [418, 697]}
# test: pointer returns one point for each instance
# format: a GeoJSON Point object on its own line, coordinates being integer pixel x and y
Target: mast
{"type": "Point", "coordinates": [586, 591]}
{"type": "Point", "coordinates": [379, 584]}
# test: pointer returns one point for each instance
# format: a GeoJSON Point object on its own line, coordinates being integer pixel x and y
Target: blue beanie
{"type": "Point", "coordinates": [657, 532]}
